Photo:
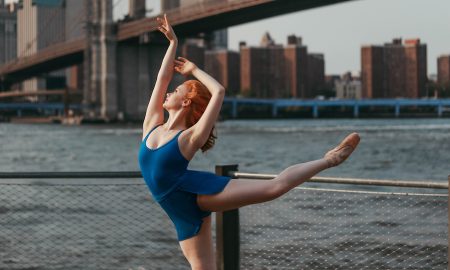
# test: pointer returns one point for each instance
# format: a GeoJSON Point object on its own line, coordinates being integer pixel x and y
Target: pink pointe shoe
{"type": "Point", "coordinates": [340, 153]}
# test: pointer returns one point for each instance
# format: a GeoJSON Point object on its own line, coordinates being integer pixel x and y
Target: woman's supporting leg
{"type": "Point", "coordinates": [198, 250]}
{"type": "Point", "coordinates": [240, 192]}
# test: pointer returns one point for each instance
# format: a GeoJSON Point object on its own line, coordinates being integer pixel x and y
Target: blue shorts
{"type": "Point", "coordinates": [181, 204]}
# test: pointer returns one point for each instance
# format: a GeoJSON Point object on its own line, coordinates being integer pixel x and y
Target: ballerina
{"type": "Point", "coordinates": [188, 196]}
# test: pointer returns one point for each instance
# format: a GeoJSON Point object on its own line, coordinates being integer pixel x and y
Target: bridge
{"type": "Point", "coordinates": [195, 19]}
{"type": "Point", "coordinates": [440, 105]}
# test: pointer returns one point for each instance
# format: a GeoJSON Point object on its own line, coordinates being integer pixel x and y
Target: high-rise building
{"type": "Point", "coordinates": [223, 65]}
{"type": "Point", "coordinates": [316, 74]}
{"type": "Point", "coordinates": [8, 32]}
{"type": "Point", "coordinates": [394, 70]}
{"type": "Point", "coordinates": [444, 70]}
{"type": "Point", "coordinates": [40, 24]}
{"type": "Point", "coordinates": [274, 71]}
{"type": "Point", "coordinates": [295, 68]}
{"type": "Point", "coordinates": [372, 72]}
{"type": "Point", "coordinates": [194, 53]}
{"type": "Point", "coordinates": [263, 73]}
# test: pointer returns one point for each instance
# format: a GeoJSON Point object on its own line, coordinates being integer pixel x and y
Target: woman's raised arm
{"type": "Point", "coordinates": [155, 112]}
{"type": "Point", "coordinates": [206, 122]}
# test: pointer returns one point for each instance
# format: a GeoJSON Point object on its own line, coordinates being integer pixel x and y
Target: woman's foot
{"type": "Point", "coordinates": [340, 153]}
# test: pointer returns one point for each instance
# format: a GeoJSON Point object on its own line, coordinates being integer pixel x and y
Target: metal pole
{"type": "Point", "coordinates": [350, 181]}
{"type": "Point", "coordinates": [315, 111]}
{"type": "Point", "coordinates": [227, 231]}
{"type": "Point", "coordinates": [397, 110]}
{"type": "Point", "coordinates": [448, 227]}
{"type": "Point", "coordinates": [234, 108]}
{"type": "Point", "coordinates": [274, 110]}
{"type": "Point", "coordinates": [355, 111]}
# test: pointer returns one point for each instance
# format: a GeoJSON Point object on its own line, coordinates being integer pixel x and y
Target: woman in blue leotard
{"type": "Point", "coordinates": [188, 196]}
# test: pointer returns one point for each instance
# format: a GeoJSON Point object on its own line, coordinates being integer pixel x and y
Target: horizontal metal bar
{"type": "Point", "coordinates": [316, 179]}
{"type": "Point", "coordinates": [352, 181]}
{"type": "Point", "coordinates": [123, 174]}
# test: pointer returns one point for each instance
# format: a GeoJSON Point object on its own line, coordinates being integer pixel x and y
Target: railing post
{"type": "Point", "coordinates": [227, 232]}
{"type": "Point", "coordinates": [448, 226]}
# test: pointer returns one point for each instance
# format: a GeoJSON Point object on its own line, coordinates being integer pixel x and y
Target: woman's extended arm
{"type": "Point", "coordinates": [155, 112]}
{"type": "Point", "coordinates": [206, 122]}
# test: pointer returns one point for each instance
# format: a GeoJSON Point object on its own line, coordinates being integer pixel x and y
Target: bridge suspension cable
{"type": "Point", "coordinates": [31, 43]}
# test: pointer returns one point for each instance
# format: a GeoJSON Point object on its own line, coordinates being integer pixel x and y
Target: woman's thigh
{"type": "Point", "coordinates": [238, 193]}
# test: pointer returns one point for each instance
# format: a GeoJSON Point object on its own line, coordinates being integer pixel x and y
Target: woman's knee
{"type": "Point", "coordinates": [276, 189]}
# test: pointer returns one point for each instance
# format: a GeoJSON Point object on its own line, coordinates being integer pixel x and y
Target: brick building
{"type": "Point", "coordinates": [444, 70]}
{"type": "Point", "coordinates": [194, 53]}
{"type": "Point", "coordinates": [394, 70]}
{"type": "Point", "coordinates": [316, 74]}
{"type": "Point", "coordinates": [274, 71]}
{"type": "Point", "coordinates": [224, 66]}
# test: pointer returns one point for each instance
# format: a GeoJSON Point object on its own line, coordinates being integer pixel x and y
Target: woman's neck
{"type": "Point", "coordinates": [176, 120]}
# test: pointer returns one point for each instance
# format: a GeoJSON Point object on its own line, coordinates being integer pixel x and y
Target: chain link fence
{"type": "Point", "coordinates": [326, 229]}
{"type": "Point", "coordinates": [107, 225]}
{"type": "Point", "coordinates": [90, 226]}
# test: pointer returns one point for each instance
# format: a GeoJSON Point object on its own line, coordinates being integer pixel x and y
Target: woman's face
{"type": "Point", "coordinates": [174, 99]}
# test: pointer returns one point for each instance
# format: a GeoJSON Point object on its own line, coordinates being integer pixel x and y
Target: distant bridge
{"type": "Point", "coordinates": [441, 105]}
{"type": "Point", "coordinates": [199, 18]}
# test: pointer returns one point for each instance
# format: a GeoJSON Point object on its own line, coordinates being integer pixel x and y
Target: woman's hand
{"type": "Point", "coordinates": [184, 66]}
{"type": "Point", "coordinates": [165, 28]}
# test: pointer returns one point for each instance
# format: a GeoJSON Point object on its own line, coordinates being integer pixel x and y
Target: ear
{"type": "Point", "coordinates": [186, 102]}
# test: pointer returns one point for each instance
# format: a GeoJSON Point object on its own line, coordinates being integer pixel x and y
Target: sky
{"type": "Point", "coordinates": [338, 31]}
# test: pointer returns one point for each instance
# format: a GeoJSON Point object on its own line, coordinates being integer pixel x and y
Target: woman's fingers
{"type": "Point", "coordinates": [182, 59]}
{"type": "Point", "coordinates": [178, 62]}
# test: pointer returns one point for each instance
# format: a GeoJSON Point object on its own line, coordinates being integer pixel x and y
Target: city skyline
{"type": "Point", "coordinates": [346, 28]}
{"type": "Point", "coordinates": [355, 22]}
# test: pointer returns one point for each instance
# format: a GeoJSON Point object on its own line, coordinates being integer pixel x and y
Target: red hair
{"type": "Point", "coordinates": [199, 96]}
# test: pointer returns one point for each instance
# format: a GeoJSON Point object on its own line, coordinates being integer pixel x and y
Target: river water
{"type": "Point", "coordinates": [48, 225]}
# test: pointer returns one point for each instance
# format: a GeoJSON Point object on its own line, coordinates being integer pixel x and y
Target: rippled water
{"type": "Point", "coordinates": [413, 149]}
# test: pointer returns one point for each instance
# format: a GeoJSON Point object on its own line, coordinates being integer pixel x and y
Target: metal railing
{"type": "Point", "coordinates": [229, 246]}
{"type": "Point", "coordinates": [227, 233]}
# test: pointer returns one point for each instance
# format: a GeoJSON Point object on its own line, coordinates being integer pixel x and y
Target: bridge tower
{"type": "Point", "coordinates": [136, 9]}
{"type": "Point", "coordinates": [100, 85]}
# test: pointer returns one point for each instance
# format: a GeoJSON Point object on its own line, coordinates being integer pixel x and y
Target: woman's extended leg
{"type": "Point", "coordinates": [240, 192]}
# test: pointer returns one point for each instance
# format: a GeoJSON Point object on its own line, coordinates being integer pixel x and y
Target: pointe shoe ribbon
{"type": "Point", "coordinates": [340, 153]}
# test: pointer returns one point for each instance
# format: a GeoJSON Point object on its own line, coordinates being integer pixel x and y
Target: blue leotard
{"type": "Point", "coordinates": [175, 187]}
